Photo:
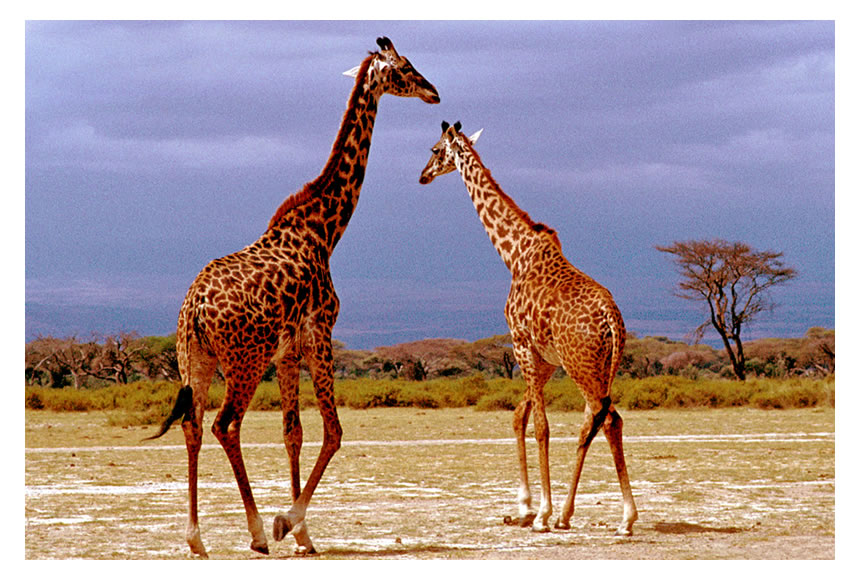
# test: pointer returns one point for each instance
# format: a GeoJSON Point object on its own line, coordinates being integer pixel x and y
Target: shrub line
{"type": "Point", "coordinates": [148, 402]}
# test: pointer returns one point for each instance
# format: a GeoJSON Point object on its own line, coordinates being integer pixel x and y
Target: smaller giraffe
{"type": "Point", "coordinates": [557, 316]}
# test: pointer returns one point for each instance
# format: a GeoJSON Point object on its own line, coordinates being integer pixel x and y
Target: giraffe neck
{"type": "Point", "coordinates": [511, 230]}
{"type": "Point", "coordinates": [324, 206]}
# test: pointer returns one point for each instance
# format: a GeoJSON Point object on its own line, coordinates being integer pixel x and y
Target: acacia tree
{"type": "Point", "coordinates": [58, 357]}
{"type": "Point", "coordinates": [494, 354]}
{"type": "Point", "coordinates": [733, 280]}
{"type": "Point", "coordinates": [116, 358]}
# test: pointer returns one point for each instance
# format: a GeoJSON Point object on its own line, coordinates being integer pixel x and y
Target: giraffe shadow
{"type": "Point", "coordinates": [687, 528]}
{"type": "Point", "coordinates": [392, 552]}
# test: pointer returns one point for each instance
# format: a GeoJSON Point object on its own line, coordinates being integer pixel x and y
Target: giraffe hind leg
{"type": "Point", "coordinates": [192, 427]}
{"type": "Point", "coordinates": [226, 429]}
{"type": "Point", "coordinates": [197, 368]}
{"type": "Point", "coordinates": [593, 422]}
{"type": "Point", "coordinates": [288, 381]}
{"type": "Point", "coordinates": [193, 440]}
{"type": "Point", "coordinates": [612, 431]}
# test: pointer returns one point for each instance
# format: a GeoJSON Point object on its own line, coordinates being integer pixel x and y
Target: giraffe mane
{"type": "Point", "coordinates": [310, 189]}
{"type": "Point", "coordinates": [537, 227]}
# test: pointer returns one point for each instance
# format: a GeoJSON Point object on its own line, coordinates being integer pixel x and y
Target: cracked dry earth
{"type": "Point", "coordinates": [440, 484]}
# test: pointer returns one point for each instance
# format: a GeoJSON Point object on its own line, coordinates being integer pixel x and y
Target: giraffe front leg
{"type": "Point", "coordinates": [524, 497]}
{"type": "Point", "coordinates": [294, 522]}
{"type": "Point", "coordinates": [542, 435]}
{"type": "Point", "coordinates": [536, 373]}
{"type": "Point", "coordinates": [319, 359]}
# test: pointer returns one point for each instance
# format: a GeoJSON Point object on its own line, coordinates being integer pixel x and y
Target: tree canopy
{"type": "Point", "coordinates": [733, 280]}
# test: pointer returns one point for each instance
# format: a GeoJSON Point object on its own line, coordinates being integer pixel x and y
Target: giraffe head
{"type": "Point", "coordinates": [444, 152]}
{"type": "Point", "coordinates": [391, 73]}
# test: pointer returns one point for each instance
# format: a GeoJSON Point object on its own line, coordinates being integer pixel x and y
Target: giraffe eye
{"type": "Point", "coordinates": [435, 151]}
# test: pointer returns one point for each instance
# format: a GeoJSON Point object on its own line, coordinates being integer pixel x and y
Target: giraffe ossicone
{"type": "Point", "coordinates": [274, 301]}
{"type": "Point", "coordinates": [557, 316]}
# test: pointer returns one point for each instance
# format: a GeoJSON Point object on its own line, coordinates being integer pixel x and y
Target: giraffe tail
{"type": "Point", "coordinates": [618, 338]}
{"type": "Point", "coordinates": [182, 408]}
{"type": "Point", "coordinates": [186, 326]}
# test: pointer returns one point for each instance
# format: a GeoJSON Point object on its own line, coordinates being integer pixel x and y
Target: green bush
{"type": "Point", "coordinates": [499, 401]}
{"type": "Point", "coordinates": [33, 399]}
{"type": "Point", "coordinates": [268, 396]}
{"type": "Point", "coordinates": [145, 402]}
{"type": "Point", "coordinates": [501, 395]}
{"type": "Point", "coordinates": [647, 393]}
{"type": "Point", "coordinates": [563, 395]}
{"type": "Point", "coordinates": [366, 394]}
{"type": "Point", "coordinates": [417, 395]}
{"type": "Point", "coordinates": [469, 390]}
{"type": "Point", "coordinates": [794, 394]}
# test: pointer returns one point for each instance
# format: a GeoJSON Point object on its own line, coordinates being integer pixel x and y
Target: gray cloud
{"type": "Point", "coordinates": [153, 147]}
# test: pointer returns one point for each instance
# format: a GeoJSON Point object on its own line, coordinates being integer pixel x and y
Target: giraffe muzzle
{"type": "Point", "coordinates": [431, 97]}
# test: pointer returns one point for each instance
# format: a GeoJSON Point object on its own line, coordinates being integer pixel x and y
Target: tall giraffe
{"type": "Point", "coordinates": [274, 301]}
{"type": "Point", "coordinates": [557, 316]}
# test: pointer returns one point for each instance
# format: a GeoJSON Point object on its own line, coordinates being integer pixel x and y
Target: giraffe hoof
{"type": "Point", "coordinates": [540, 528]}
{"type": "Point", "coordinates": [261, 548]}
{"type": "Point", "coordinates": [304, 551]}
{"type": "Point", "coordinates": [196, 546]}
{"type": "Point", "coordinates": [623, 532]}
{"type": "Point", "coordinates": [527, 520]}
{"type": "Point", "coordinates": [281, 528]}
{"type": "Point", "coordinates": [559, 525]}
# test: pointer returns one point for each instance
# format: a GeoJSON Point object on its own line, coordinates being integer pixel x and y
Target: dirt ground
{"type": "Point", "coordinates": [437, 484]}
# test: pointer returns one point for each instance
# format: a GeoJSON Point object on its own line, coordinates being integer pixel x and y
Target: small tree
{"type": "Point", "coordinates": [157, 360]}
{"type": "Point", "coordinates": [822, 344]}
{"type": "Point", "coordinates": [41, 363]}
{"type": "Point", "coordinates": [348, 363]}
{"type": "Point", "coordinates": [733, 279]}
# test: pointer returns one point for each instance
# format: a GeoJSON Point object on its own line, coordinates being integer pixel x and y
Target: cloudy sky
{"type": "Point", "coordinates": [154, 147]}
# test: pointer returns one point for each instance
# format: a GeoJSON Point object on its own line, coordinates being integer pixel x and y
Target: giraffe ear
{"type": "Point", "coordinates": [353, 72]}
{"type": "Point", "coordinates": [474, 137]}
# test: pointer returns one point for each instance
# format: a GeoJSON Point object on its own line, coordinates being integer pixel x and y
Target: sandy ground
{"type": "Point", "coordinates": [437, 484]}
